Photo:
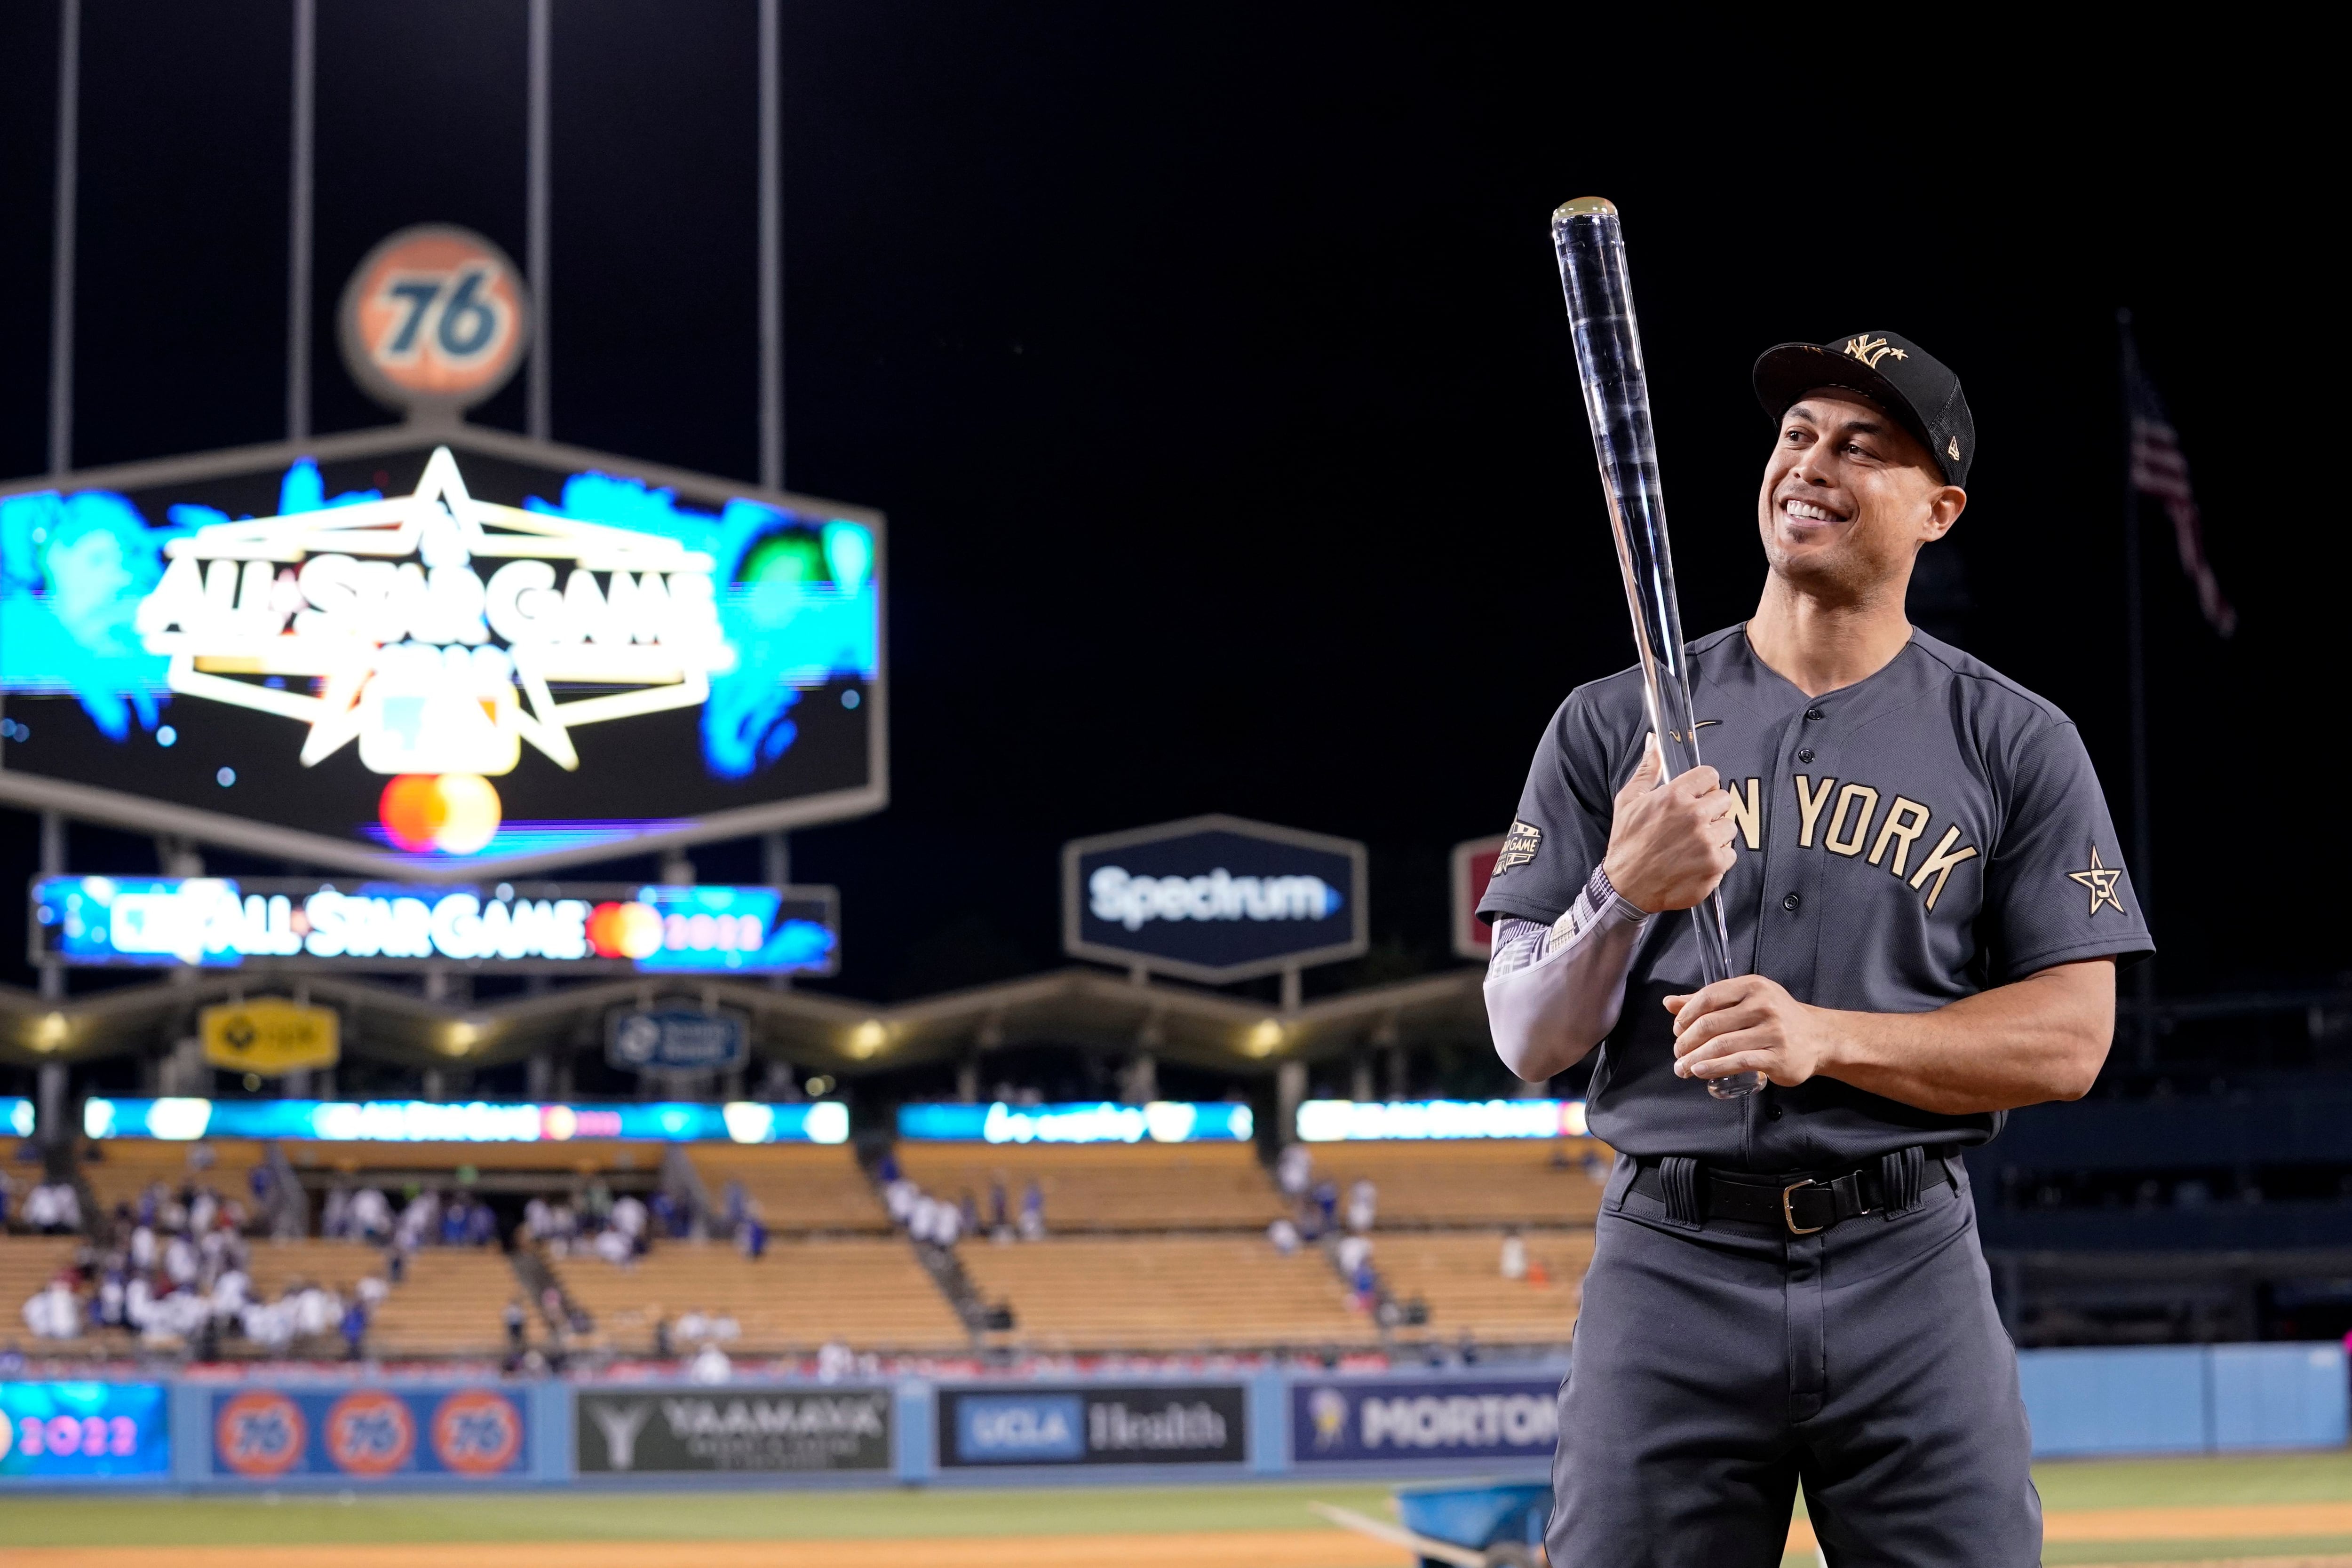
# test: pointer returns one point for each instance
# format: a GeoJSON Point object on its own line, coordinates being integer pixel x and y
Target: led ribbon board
{"type": "Point", "coordinates": [425, 1121]}
{"type": "Point", "coordinates": [16, 1117]}
{"type": "Point", "coordinates": [1344, 1120]}
{"type": "Point", "coordinates": [219, 923]}
{"type": "Point", "coordinates": [1214, 898]}
{"type": "Point", "coordinates": [392, 654]}
{"type": "Point", "coordinates": [1160, 1122]}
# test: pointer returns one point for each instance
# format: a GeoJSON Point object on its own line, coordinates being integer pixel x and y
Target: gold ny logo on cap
{"type": "Point", "coordinates": [1870, 350]}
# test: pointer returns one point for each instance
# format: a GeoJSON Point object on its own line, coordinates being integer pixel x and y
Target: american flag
{"type": "Point", "coordinates": [2159, 471]}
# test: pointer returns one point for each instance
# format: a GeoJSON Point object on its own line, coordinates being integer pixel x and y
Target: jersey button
{"type": "Point", "coordinates": [1805, 753]}
{"type": "Point", "coordinates": [1774, 1113]}
{"type": "Point", "coordinates": [1813, 713]}
{"type": "Point", "coordinates": [1790, 902]}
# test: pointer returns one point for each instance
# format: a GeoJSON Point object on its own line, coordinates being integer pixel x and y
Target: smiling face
{"type": "Point", "coordinates": [1849, 496]}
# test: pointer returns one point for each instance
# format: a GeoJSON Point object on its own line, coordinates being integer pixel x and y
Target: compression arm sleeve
{"type": "Point", "coordinates": [1553, 992]}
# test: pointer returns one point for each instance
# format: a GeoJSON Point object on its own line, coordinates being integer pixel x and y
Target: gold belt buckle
{"type": "Point", "coordinates": [1789, 1215]}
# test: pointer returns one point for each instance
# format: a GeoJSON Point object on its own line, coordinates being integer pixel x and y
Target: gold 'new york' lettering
{"type": "Point", "coordinates": [1905, 820]}
{"type": "Point", "coordinates": [1809, 807]}
{"type": "Point", "coordinates": [1746, 813]}
{"type": "Point", "coordinates": [1940, 864]}
{"type": "Point", "coordinates": [1835, 840]}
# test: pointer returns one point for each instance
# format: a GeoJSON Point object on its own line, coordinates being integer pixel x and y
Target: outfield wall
{"type": "Point", "coordinates": [322, 1433]}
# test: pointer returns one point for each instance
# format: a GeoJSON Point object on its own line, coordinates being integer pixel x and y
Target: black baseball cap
{"type": "Point", "coordinates": [1890, 370]}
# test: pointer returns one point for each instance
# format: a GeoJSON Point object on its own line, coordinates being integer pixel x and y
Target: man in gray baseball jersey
{"type": "Point", "coordinates": [1921, 878]}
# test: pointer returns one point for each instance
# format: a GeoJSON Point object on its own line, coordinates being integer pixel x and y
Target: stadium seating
{"type": "Point", "coordinates": [336, 1265]}
{"type": "Point", "coordinates": [449, 1304]}
{"type": "Point", "coordinates": [1107, 1187]}
{"type": "Point", "coordinates": [867, 1292]}
{"type": "Point", "coordinates": [557, 1159]}
{"type": "Point", "coordinates": [1167, 1293]}
{"type": "Point", "coordinates": [1472, 1181]}
{"type": "Point", "coordinates": [801, 1188]}
{"type": "Point", "coordinates": [27, 1264]}
{"type": "Point", "coordinates": [1457, 1274]}
{"type": "Point", "coordinates": [129, 1166]}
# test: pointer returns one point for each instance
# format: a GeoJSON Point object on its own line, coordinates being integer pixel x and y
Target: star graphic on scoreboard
{"type": "Point", "coordinates": [251, 624]}
{"type": "Point", "coordinates": [2101, 879]}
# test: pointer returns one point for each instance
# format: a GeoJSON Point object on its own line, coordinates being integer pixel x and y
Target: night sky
{"type": "Point", "coordinates": [1210, 366]}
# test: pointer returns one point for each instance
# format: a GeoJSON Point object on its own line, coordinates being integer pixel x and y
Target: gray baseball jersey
{"type": "Point", "coordinates": [1914, 838]}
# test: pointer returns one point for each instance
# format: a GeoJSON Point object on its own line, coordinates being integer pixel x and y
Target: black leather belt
{"type": "Point", "coordinates": [1800, 1202]}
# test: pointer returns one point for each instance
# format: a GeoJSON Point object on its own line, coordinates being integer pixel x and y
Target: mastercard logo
{"type": "Point", "coordinates": [624, 930]}
{"type": "Point", "coordinates": [454, 813]}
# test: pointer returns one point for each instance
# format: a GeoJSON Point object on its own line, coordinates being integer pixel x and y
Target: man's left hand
{"type": "Point", "coordinates": [1749, 1024]}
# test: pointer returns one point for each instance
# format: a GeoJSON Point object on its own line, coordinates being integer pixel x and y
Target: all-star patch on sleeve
{"type": "Point", "coordinates": [1561, 827]}
{"type": "Point", "coordinates": [2056, 889]}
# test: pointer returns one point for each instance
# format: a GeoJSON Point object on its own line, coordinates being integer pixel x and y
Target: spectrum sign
{"type": "Point", "coordinates": [479, 1122]}
{"type": "Point", "coordinates": [1351, 1121]}
{"type": "Point", "coordinates": [570, 929]}
{"type": "Point", "coordinates": [1161, 1122]}
{"type": "Point", "coordinates": [390, 654]}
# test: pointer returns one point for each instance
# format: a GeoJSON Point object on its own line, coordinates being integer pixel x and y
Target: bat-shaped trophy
{"type": "Point", "coordinates": [1591, 246]}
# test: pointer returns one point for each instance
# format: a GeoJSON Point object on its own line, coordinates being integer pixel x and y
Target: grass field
{"type": "Point", "coordinates": [2294, 1507]}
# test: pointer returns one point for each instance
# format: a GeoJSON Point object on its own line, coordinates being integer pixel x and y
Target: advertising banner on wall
{"type": "Point", "coordinates": [82, 1431]}
{"type": "Point", "coordinates": [1160, 1122]}
{"type": "Point", "coordinates": [1372, 1121]}
{"type": "Point", "coordinates": [676, 1037]}
{"type": "Point", "coordinates": [573, 928]}
{"type": "Point", "coordinates": [270, 1036]}
{"type": "Point", "coordinates": [776, 1431]}
{"type": "Point", "coordinates": [1163, 1423]}
{"type": "Point", "coordinates": [472, 1121]}
{"type": "Point", "coordinates": [368, 1433]}
{"type": "Point", "coordinates": [1214, 898]}
{"type": "Point", "coordinates": [1473, 867]}
{"type": "Point", "coordinates": [1366, 1420]}
{"type": "Point", "coordinates": [437, 655]}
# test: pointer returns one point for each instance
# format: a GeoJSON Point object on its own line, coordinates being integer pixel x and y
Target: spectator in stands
{"type": "Point", "coordinates": [710, 1366]}
{"type": "Point", "coordinates": [612, 1244]}
{"type": "Point", "coordinates": [179, 1261]}
{"type": "Point", "coordinates": [53, 1209]}
{"type": "Point", "coordinates": [355, 1321]}
{"type": "Point", "coordinates": [371, 1215]}
{"type": "Point", "coordinates": [1285, 1237]}
{"type": "Point", "coordinates": [1000, 1215]}
{"type": "Point", "coordinates": [515, 1318]}
{"type": "Point", "coordinates": [946, 1223]}
{"type": "Point", "coordinates": [885, 1169]}
{"type": "Point", "coordinates": [834, 1360]}
{"type": "Point", "coordinates": [968, 1211]}
{"type": "Point", "coordinates": [371, 1293]}
{"type": "Point", "coordinates": [203, 1209]}
{"type": "Point", "coordinates": [899, 1198]}
{"type": "Point", "coordinates": [1326, 1202]}
{"type": "Point", "coordinates": [1363, 1204]}
{"type": "Point", "coordinates": [53, 1312]}
{"type": "Point", "coordinates": [109, 1299]}
{"type": "Point", "coordinates": [538, 1219]}
{"type": "Point", "coordinates": [629, 1217]}
{"type": "Point", "coordinates": [693, 1328]}
{"type": "Point", "coordinates": [1293, 1170]}
{"type": "Point", "coordinates": [596, 1203]}
{"type": "Point", "coordinates": [230, 1294]}
{"type": "Point", "coordinates": [395, 1263]}
{"type": "Point", "coordinates": [1033, 1211]}
{"type": "Point", "coordinates": [454, 1218]}
{"type": "Point", "coordinates": [734, 1200]}
{"type": "Point", "coordinates": [335, 1215]}
{"type": "Point", "coordinates": [753, 1235]}
{"type": "Point", "coordinates": [1515, 1256]}
{"type": "Point", "coordinates": [143, 1248]}
{"type": "Point", "coordinates": [1354, 1252]}
{"type": "Point", "coordinates": [481, 1224]}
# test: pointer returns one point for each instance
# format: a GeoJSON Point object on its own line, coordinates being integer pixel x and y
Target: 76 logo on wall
{"type": "Point", "coordinates": [436, 318]}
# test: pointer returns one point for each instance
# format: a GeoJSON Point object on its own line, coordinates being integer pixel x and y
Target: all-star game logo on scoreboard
{"type": "Point", "coordinates": [439, 646]}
